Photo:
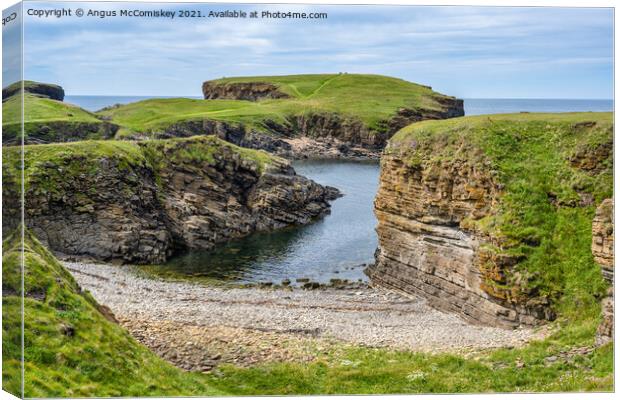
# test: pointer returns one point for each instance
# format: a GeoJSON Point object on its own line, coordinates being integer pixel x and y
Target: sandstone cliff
{"type": "Point", "coordinates": [327, 134]}
{"type": "Point", "coordinates": [483, 215]}
{"type": "Point", "coordinates": [140, 202]}
{"type": "Point", "coordinates": [603, 238]}
{"type": "Point", "coordinates": [241, 91]}
{"type": "Point", "coordinates": [603, 251]}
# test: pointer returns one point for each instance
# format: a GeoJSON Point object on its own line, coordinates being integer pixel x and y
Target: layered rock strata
{"type": "Point", "coordinates": [323, 134]}
{"type": "Point", "coordinates": [140, 202]}
{"type": "Point", "coordinates": [242, 91]}
{"type": "Point", "coordinates": [424, 249]}
{"type": "Point", "coordinates": [603, 252]}
{"type": "Point", "coordinates": [471, 213]}
{"type": "Point", "coordinates": [603, 238]}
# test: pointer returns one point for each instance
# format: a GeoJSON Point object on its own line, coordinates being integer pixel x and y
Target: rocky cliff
{"type": "Point", "coordinates": [470, 213]}
{"type": "Point", "coordinates": [322, 133]}
{"type": "Point", "coordinates": [241, 91]}
{"type": "Point", "coordinates": [140, 202]}
{"type": "Point", "coordinates": [603, 251]}
{"type": "Point", "coordinates": [603, 238]}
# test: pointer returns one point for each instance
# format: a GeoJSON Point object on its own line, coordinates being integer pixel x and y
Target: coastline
{"type": "Point", "coordinates": [197, 327]}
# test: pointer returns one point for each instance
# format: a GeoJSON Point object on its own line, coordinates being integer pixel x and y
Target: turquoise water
{"type": "Point", "coordinates": [335, 246]}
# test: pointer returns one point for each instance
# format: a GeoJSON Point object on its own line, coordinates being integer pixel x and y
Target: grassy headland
{"type": "Point", "coordinates": [555, 169]}
{"type": "Point", "coordinates": [373, 99]}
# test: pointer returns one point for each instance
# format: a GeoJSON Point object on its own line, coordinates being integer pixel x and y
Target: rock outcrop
{"type": "Point", "coordinates": [603, 252]}
{"type": "Point", "coordinates": [57, 132]}
{"type": "Point", "coordinates": [241, 91]}
{"type": "Point", "coordinates": [48, 90]}
{"type": "Point", "coordinates": [448, 234]}
{"type": "Point", "coordinates": [313, 135]}
{"type": "Point", "coordinates": [140, 202]}
{"type": "Point", "coordinates": [603, 238]}
{"type": "Point", "coordinates": [424, 249]}
{"type": "Point", "coordinates": [321, 133]}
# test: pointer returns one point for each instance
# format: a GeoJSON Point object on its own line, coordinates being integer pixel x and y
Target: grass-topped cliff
{"type": "Point", "coordinates": [284, 105]}
{"type": "Point", "coordinates": [527, 186]}
{"type": "Point", "coordinates": [141, 201]}
{"type": "Point", "coordinates": [47, 118]}
{"type": "Point", "coordinates": [338, 110]}
{"type": "Point", "coordinates": [71, 348]}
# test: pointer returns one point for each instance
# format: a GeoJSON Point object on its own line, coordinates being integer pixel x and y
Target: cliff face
{"type": "Point", "coordinates": [469, 213]}
{"type": "Point", "coordinates": [425, 250]}
{"type": "Point", "coordinates": [603, 252]}
{"type": "Point", "coordinates": [317, 132]}
{"type": "Point", "coordinates": [603, 238]}
{"type": "Point", "coordinates": [48, 90]}
{"type": "Point", "coordinates": [241, 91]}
{"type": "Point", "coordinates": [140, 202]}
{"type": "Point", "coordinates": [312, 135]}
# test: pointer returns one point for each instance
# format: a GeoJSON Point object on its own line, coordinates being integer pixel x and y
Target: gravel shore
{"type": "Point", "coordinates": [196, 326]}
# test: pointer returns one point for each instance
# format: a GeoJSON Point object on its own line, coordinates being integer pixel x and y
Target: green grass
{"type": "Point", "coordinates": [50, 168]}
{"type": "Point", "coordinates": [40, 109]}
{"type": "Point", "coordinates": [370, 98]}
{"type": "Point", "coordinates": [539, 219]}
{"type": "Point", "coordinates": [40, 112]}
{"type": "Point", "coordinates": [99, 358]}
{"type": "Point", "coordinates": [380, 371]}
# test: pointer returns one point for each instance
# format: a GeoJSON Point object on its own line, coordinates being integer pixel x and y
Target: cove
{"type": "Point", "coordinates": [335, 246]}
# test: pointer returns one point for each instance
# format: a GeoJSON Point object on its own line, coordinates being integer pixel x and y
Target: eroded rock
{"type": "Point", "coordinates": [140, 202]}
{"type": "Point", "coordinates": [241, 91]}
{"type": "Point", "coordinates": [425, 250]}
{"type": "Point", "coordinates": [603, 251]}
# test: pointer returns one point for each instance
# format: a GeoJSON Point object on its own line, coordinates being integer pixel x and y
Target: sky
{"type": "Point", "coordinates": [468, 52]}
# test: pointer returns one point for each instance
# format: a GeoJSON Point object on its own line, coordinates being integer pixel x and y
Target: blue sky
{"type": "Point", "coordinates": [462, 51]}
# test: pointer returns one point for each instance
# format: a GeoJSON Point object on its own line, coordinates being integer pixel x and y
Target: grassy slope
{"type": "Point", "coordinates": [40, 111]}
{"type": "Point", "coordinates": [539, 217]}
{"type": "Point", "coordinates": [98, 359]}
{"type": "Point", "coordinates": [371, 98]}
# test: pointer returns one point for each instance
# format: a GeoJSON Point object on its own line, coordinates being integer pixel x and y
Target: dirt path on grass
{"type": "Point", "coordinates": [196, 327]}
